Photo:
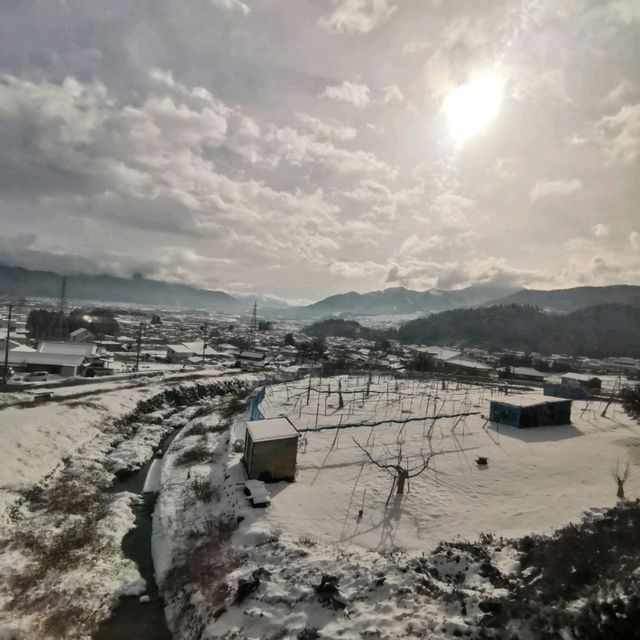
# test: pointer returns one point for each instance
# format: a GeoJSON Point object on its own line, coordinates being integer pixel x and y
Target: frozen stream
{"type": "Point", "coordinates": [132, 618]}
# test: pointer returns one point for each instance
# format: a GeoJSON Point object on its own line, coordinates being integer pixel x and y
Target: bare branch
{"type": "Point", "coordinates": [378, 464]}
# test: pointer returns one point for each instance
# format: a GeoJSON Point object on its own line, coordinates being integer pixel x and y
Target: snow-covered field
{"type": "Point", "coordinates": [536, 479]}
{"type": "Point", "coordinates": [385, 571]}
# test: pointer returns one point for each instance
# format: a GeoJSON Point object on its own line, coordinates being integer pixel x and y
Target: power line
{"type": "Point", "coordinates": [6, 347]}
{"type": "Point", "coordinates": [62, 308]}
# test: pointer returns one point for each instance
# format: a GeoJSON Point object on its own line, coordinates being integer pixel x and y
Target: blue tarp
{"type": "Point", "coordinates": [257, 398]}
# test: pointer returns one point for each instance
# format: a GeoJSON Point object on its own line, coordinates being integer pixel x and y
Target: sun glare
{"type": "Point", "coordinates": [470, 107]}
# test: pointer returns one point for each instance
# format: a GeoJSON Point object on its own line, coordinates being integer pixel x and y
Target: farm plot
{"type": "Point", "coordinates": [354, 428]}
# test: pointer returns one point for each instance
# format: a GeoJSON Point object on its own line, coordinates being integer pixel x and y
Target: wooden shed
{"type": "Point", "coordinates": [526, 412]}
{"type": "Point", "coordinates": [270, 450]}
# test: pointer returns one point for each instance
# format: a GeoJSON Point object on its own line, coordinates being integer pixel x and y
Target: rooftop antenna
{"type": "Point", "coordinates": [253, 326]}
{"type": "Point", "coordinates": [62, 306]}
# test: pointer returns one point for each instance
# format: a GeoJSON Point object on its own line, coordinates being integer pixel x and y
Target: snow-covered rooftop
{"type": "Point", "coordinates": [528, 400]}
{"type": "Point", "coordinates": [580, 377]}
{"type": "Point", "coordinates": [271, 429]}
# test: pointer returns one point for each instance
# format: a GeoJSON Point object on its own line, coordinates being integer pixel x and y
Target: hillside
{"type": "Point", "coordinates": [568, 300]}
{"type": "Point", "coordinates": [340, 328]}
{"type": "Point", "coordinates": [398, 300]}
{"type": "Point", "coordinates": [16, 282]}
{"type": "Point", "coordinates": [602, 330]}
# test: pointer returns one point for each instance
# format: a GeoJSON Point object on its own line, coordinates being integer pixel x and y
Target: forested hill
{"type": "Point", "coordinates": [339, 328]}
{"type": "Point", "coordinates": [602, 330]}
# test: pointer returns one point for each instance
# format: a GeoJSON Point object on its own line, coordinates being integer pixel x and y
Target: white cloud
{"type": "Point", "coordinates": [392, 93]}
{"type": "Point", "coordinates": [303, 148]}
{"type": "Point", "coordinates": [555, 188]}
{"type": "Point", "coordinates": [453, 210]}
{"type": "Point", "coordinates": [634, 240]}
{"type": "Point", "coordinates": [353, 93]}
{"type": "Point", "coordinates": [620, 134]}
{"type": "Point", "coordinates": [600, 230]}
{"type": "Point", "coordinates": [231, 5]}
{"type": "Point", "coordinates": [357, 16]}
{"type": "Point", "coordinates": [329, 130]}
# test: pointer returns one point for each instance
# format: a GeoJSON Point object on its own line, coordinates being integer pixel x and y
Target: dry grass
{"type": "Point", "coordinates": [204, 569]}
{"type": "Point", "coordinates": [199, 453]}
{"type": "Point", "coordinates": [203, 490]}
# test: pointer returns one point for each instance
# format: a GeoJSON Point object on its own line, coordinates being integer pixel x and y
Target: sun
{"type": "Point", "coordinates": [470, 107]}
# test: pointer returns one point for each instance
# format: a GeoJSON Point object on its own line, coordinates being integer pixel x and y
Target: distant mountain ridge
{"type": "Point", "coordinates": [399, 300]}
{"type": "Point", "coordinates": [16, 282]}
{"type": "Point", "coordinates": [573, 299]}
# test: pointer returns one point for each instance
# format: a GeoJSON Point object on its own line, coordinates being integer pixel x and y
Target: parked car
{"type": "Point", "coordinates": [37, 376]}
{"type": "Point", "coordinates": [257, 493]}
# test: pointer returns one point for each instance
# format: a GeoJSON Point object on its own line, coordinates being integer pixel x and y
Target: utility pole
{"type": "Point", "coordinates": [6, 348]}
{"type": "Point", "coordinates": [62, 308]}
{"type": "Point", "coordinates": [204, 339]}
{"type": "Point", "coordinates": [139, 345]}
{"type": "Point", "coordinates": [253, 327]}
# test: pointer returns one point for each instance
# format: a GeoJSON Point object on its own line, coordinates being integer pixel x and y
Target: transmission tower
{"type": "Point", "coordinates": [253, 326]}
{"type": "Point", "coordinates": [62, 308]}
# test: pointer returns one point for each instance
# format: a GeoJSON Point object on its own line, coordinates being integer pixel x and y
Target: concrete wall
{"type": "Point", "coordinates": [271, 459]}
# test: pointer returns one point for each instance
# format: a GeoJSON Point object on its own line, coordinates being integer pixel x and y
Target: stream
{"type": "Point", "coordinates": [132, 618]}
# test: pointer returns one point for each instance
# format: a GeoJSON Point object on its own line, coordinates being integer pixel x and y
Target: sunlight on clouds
{"type": "Point", "coordinates": [470, 107]}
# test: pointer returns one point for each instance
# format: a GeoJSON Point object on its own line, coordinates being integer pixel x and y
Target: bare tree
{"type": "Point", "coordinates": [403, 472]}
{"type": "Point", "coordinates": [620, 478]}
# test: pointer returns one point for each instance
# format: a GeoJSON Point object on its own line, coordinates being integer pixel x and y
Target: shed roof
{"type": "Point", "coordinates": [528, 400]}
{"type": "Point", "coordinates": [528, 371]}
{"type": "Point", "coordinates": [67, 348]}
{"type": "Point", "coordinates": [252, 355]}
{"type": "Point", "coordinates": [271, 429]}
{"type": "Point", "coordinates": [580, 377]}
{"type": "Point", "coordinates": [179, 348]}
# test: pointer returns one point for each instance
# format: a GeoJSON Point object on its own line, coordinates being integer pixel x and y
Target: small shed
{"type": "Point", "coordinates": [527, 412]}
{"type": "Point", "coordinates": [582, 380]}
{"type": "Point", "coordinates": [270, 450]}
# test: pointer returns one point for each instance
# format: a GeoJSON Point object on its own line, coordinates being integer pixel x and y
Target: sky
{"type": "Point", "coordinates": [302, 148]}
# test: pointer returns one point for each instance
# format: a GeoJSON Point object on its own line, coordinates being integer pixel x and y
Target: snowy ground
{"type": "Point", "coordinates": [36, 437]}
{"type": "Point", "coordinates": [536, 480]}
{"type": "Point", "coordinates": [261, 580]}
{"type": "Point", "coordinates": [62, 568]}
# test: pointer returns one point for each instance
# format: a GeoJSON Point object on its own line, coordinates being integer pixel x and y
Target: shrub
{"type": "Point", "coordinates": [203, 490]}
{"type": "Point", "coordinates": [197, 454]}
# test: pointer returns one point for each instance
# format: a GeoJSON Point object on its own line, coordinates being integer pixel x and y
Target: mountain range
{"type": "Point", "coordinates": [16, 282]}
{"type": "Point", "coordinates": [398, 300]}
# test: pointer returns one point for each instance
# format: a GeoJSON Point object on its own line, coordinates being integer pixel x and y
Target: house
{"type": "Point", "coordinates": [452, 360]}
{"type": "Point", "coordinates": [522, 373]}
{"type": "Point", "coordinates": [179, 353]}
{"type": "Point", "coordinates": [81, 335]}
{"type": "Point", "coordinates": [251, 359]}
{"type": "Point", "coordinates": [527, 411]}
{"type": "Point", "coordinates": [66, 365]}
{"type": "Point", "coordinates": [70, 354]}
{"type": "Point", "coordinates": [270, 450]}
{"type": "Point", "coordinates": [582, 380]}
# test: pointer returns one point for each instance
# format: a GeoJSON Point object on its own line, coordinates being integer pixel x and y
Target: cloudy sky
{"type": "Point", "coordinates": [305, 147]}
